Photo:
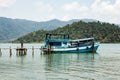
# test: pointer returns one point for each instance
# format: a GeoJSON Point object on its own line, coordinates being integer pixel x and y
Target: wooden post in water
{"type": "Point", "coordinates": [24, 51]}
{"type": "Point", "coordinates": [32, 50]}
{"type": "Point", "coordinates": [10, 51]}
{"type": "Point", "coordinates": [0, 52]}
{"type": "Point", "coordinates": [48, 48]}
{"type": "Point", "coordinates": [93, 47]}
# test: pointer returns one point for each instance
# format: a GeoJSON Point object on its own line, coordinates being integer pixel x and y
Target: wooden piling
{"type": "Point", "coordinates": [93, 47]}
{"type": "Point", "coordinates": [10, 51]}
{"type": "Point", "coordinates": [0, 52]}
{"type": "Point", "coordinates": [32, 50]}
{"type": "Point", "coordinates": [25, 51]}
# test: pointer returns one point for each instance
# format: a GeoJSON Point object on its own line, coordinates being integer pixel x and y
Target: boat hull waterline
{"type": "Point", "coordinates": [73, 50]}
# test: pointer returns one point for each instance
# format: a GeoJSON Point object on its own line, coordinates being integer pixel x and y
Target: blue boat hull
{"type": "Point", "coordinates": [73, 50]}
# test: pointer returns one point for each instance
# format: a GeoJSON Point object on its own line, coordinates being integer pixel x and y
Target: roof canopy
{"type": "Point", "coordinates": [82, 40]}
{"type": "Point", "coordinates": [57, 36]}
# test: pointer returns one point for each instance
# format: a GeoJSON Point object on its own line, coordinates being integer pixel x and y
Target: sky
{"type": "Point", "coordinates": [43, 10]}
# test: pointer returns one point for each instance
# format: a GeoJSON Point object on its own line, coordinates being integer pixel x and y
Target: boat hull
{"type": "Point", "coordinates": [72, 50]}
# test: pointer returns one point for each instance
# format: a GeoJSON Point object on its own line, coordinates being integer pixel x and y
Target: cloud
{"type": "Point", "coordinates": [66, 17]}
{"type": "Point", "coordinates": [104, 6]}
{"type": "Point", "coordinates": [74, 6]}
{"type": "Point", "coordinates": [104, 10]}
{"type": "Point", "coordinates": [6, 3]}
{"type": "Point", "coordinates": [44, 7]}
{"type": "Point", "coordinates": [116, 7]}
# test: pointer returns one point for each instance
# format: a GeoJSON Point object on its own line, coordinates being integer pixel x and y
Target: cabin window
{"type": "Point", "coordinates": [65, 43]}
{"type": "Point", "coordinates": [55, 43]}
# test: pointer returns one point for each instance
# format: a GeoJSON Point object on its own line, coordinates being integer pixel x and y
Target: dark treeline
{"type": "Point", "coordinates": [102, 32]}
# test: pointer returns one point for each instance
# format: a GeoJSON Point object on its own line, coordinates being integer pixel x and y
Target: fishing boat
{"type": "Point", "coordinates": [57, 43]}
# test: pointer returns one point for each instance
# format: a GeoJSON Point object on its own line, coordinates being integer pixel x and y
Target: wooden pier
{"type": "Point", "coordinates": [21, 50]}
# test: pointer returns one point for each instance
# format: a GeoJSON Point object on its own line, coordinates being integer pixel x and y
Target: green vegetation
{"type": "Point", "coordinates": [103, 32]}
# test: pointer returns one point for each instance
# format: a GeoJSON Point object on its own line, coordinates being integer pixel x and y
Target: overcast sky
{"type": "Point", "coordinates": [43, 10]}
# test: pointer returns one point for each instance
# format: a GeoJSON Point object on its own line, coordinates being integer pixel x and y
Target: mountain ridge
{"type": "Point", "coordinates": [11, 29]}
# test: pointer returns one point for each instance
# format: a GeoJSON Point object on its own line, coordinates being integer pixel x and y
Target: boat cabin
{"type": "Point", "coordinates": [56, 40]}
{"type": "Point", "coordinates": [82, 42]}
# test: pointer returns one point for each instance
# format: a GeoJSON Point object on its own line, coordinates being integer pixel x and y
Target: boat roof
{"type": "Point", "coordinates": [57, 36]}
{"type": "Point", "coordinates": [84, 39]}
{"type": "Point", "coordinates": [58, 40]}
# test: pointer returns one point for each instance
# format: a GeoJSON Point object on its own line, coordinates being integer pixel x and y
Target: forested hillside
{"type": "Point", "coordinates": [103, 32]}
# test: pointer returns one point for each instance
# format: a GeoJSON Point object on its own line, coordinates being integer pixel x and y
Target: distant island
{"type": "Point", "coordinates": [101, 31]}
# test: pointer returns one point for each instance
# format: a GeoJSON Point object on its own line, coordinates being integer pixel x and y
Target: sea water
{"type": "Point", "coordinates": [103, 65]}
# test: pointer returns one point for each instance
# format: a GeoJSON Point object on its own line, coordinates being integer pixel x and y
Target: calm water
{"type": "Point", "coordinates": [104, 65]}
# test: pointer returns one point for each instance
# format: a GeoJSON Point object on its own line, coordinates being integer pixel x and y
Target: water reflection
{"type": "Point", "coordinates": [56, 59]}
{"type": "Point", "coordinates": [66, 63]}
{"type": "Point", "coordinates": [21, 58]}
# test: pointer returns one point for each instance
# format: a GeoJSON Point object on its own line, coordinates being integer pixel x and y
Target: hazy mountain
{"type": "Point", "coordinates": [13, 28]}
